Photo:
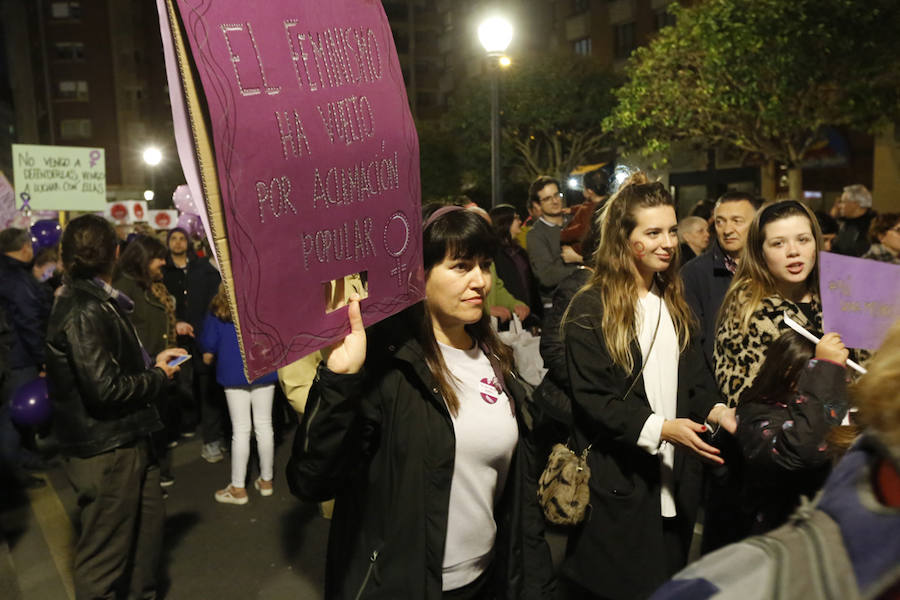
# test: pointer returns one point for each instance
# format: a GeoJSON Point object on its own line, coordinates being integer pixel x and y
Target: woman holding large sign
{"type": "Point", "coordinates": [415, 426]}
{"type": "Point", "coordinates": [778, 274]}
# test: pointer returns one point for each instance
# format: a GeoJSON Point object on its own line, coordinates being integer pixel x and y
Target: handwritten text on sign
{"type": "Point", "coordinates": [59, 177]}
{"type": "Point", "coordinates": [860, 298]}
{"type": "Point", "coordinates": [317, 161]}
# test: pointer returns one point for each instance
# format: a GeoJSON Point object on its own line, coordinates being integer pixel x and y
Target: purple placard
{"type": "Point", "coordinates": [317, 160]}
{"type": "Point", "coordinates": [860, 298]}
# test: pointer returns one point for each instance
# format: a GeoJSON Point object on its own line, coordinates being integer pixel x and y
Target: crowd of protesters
{"type": "Point", "coordinates": [668, 362]}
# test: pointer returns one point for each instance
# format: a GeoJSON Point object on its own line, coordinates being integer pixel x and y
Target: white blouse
{"type": "Point", "coordinates": [661, 384]}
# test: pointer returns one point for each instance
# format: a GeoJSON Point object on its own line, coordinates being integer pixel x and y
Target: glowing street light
{"type": "Point", "coordinates": [495, 35]}
{"type": "Point", "coordinates": [152, 156]}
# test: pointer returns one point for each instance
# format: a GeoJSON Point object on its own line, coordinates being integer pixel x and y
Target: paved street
{"type": "Point", "coordinates": [270, 548]}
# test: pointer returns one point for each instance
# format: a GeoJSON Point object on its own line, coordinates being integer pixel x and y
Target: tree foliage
{"type": "Point", "coordinates": [764, 76]}
{"type": "Point", "coordinates": [552, 111]}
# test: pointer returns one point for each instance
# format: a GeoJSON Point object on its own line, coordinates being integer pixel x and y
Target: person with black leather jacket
{"type": "Point", "coordinates": [417, 428]}
{"type": "Point", "coordinates": [102, 384]}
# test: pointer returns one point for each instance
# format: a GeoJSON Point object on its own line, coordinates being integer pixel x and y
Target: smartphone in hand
{"type": "Point", "coordinates": [178, 360]}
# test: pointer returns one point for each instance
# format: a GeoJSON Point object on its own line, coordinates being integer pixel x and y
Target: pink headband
{"type": "Point", "coordinates": [440, 213]}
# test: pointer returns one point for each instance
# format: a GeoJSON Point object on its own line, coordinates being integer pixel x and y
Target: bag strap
{"type": "Point", "coordinates": [640, 372]}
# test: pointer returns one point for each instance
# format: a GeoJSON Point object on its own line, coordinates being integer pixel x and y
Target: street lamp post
{"type": "Point", "coordinates": [152, 157]}
{"type": "Point", "coordinates": [495, 34]}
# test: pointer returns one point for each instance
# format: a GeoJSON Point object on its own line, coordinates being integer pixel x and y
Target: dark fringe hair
{"type": "Point", "coordinates": [135, 260]}
{"type": "Point", "coordinates": [460, 234]}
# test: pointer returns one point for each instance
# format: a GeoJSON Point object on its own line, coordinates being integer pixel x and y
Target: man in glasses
{"type": "Point", "coordinates": [550, 261]}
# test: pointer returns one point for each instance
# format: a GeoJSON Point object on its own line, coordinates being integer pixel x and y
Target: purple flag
{"type": "Point", "coordinates": [860, 298]}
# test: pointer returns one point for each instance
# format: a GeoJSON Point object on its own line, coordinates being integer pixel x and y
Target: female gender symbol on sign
{"type": "Point", "coordinates": [400, 267]}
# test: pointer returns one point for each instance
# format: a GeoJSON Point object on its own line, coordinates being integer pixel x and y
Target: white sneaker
{"type": "Point", "coordinates": [212, 452]}
{"type": "Point", "coordinates": [227, 496]}
{"type": "Point", "coordinates": [263, 487]}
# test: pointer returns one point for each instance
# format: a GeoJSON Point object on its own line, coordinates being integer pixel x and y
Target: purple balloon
{"type": "Point", "coordinates": [45, 233]}
{"type": "Point", "coordinates": [30, 405]}
{"type": "Point", "coordinates": [191, 224]}
{"type": "Point", "coordinates": [183, 201]}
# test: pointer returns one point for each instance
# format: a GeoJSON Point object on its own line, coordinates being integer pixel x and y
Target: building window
{"type": "Point", "coordinates": [65, 10]}
{"type": "Point", "coordinates": [581, 6]}
{"type": "Point", "coordinates": [664, 19]}
{"type": "Point", "coordinates": [582, 47]}
{"type": "Point", "coordinates": [624, 40]}
{"type": "Point", "coordinates": [68, 50]}
{"type": "Point", "coordinates": [75, 129]}
{"type": "Point", "coordinates": [73, 90]}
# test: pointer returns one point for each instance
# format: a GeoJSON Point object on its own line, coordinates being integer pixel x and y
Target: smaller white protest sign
{"type": "Point", "coordinates": [127, 212]}
{"type": "Point", "coordinates": [162, 219]}
{"type": "Point", "coordinates": [59, 177]}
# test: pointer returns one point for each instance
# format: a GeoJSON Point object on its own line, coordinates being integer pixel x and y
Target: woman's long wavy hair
{"type": "Point", "coordinates": [753, 281]}
{"type": "Point", "coordinates": [458, 234]}
{"type": "Point", "coordinates": [615, 273]}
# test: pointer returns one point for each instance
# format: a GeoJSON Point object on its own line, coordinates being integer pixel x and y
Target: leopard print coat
{"type": "Point", "coordinates": [739, 355]}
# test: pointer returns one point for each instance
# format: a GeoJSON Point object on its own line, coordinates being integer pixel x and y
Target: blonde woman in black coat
{"type": "Point", "coordinates": [641, 397]}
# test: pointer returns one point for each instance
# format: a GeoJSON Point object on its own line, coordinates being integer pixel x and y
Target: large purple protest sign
{"type": "Point", "coordinates": [316, 161]}
{"type": "Point", "coordinates": [860, 298]}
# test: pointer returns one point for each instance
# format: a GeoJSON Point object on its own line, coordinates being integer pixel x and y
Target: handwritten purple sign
{"type": "Point", "coordinates": [860, 298]}
{"type": "Point", "coordinates": [317, 163]}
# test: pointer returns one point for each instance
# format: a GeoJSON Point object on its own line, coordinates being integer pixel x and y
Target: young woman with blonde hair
{"type": "Point", "coordinates": [641, 396]}
{"type": "Point", "coordinates": [778, 274]}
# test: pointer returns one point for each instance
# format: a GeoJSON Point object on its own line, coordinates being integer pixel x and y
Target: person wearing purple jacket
{"type": "Point", "coordinates": [219, 342]}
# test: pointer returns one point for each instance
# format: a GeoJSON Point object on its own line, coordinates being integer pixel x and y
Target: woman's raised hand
{"type": "Point", "coordinates": [348, 355]}
{"type": "Point", "coordinates": [830, 347]}
{"type": "Point", "coordinates": [683, 432]}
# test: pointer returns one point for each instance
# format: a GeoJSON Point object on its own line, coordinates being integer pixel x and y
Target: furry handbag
{"type": "Point", "coordinates": [563, 489]}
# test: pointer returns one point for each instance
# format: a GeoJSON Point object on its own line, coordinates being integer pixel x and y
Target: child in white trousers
{"type": "Point", "coordinates": [249, 403]}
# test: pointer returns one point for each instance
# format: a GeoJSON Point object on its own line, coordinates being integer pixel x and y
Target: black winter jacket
{"type": "Point", "coordinates": [706, 281]}
{"type": "Point", "coordinates": [618, 552]}
{"type": "Point", "coordinates": [783, 445]}
{"type": "Point", "coordinates": [27, 306]}
{"type": "Point", "coordinates": [382, 442]}
{"type": "Point", "coordinates": [193, 289]}
{"type": "Point", "coordinates": [101, 389]}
